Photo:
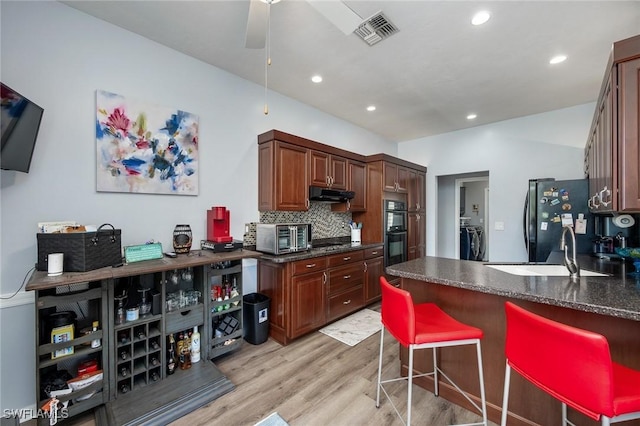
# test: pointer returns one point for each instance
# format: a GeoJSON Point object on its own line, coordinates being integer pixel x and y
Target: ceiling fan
{"type": "Point", "coordinates": [335, 11]}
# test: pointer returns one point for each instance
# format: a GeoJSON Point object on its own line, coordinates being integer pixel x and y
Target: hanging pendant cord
{"type": "Point", "coordinates": [267, 58]}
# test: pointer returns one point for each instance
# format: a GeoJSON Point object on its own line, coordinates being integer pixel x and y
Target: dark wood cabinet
{"type": "Point", "coordinates": [373, 269]}
{"type": "Point", "coordinates": [416, 235]}
{"type": "Point", "coordinates": [396, 177]}
{"type": "Point", "coordinates": [327, 170]}
{"type": "Point", "coordinates": [308, 294]}
{"type": "Point", "coordinates": [612, 150]}
{"type": "Point", "coordinates": [282, 177]}
{"type": "Point", "coordinates": [417, 193]}
{"type": "Point", "coordinates": [308, 306]}
{"type": "Point", "coordinates": [356, 182]}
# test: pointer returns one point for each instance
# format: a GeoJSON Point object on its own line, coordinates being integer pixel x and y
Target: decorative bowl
{"type": "Point", "coordinates": [632, 253]}
{"type": "Point", "coordinates": [628, 252]}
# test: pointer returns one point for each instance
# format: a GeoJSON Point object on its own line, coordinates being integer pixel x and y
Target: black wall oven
{"type": "Point", "coordinates": [395, 232]}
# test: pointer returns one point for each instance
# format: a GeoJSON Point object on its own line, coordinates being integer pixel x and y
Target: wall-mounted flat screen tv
{"type": "Point", "coordinates": [19, 124]}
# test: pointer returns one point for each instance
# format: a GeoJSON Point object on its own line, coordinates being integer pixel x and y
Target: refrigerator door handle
{"type": "Point", "coordinates": [525, 223]}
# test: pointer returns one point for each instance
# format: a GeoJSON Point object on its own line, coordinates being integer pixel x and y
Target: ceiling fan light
{"type": "Point", "coordinates": [472, 116]}
{"type": "Point", "coordinates": [371, 108]}
{"type": "Point", "coordinates": [316, 79]}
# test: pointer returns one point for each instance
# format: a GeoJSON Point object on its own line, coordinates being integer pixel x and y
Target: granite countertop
{"type": "Point", "coordinates": [317, 252]}
{"type": "Point", "coordinates": [616, 295]}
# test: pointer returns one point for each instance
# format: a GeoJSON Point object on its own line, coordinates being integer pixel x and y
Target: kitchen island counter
{"type": "Point", "coordinates": [616, 295]}
{"type": "Point", "coordinates": [475, 294]}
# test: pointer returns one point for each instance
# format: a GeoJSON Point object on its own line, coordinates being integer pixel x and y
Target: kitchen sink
{"type": "Point", "coordinates": [542, 270]}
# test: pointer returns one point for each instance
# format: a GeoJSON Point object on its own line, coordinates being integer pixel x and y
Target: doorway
{"type": "Point", "coordinates": [455, 192]}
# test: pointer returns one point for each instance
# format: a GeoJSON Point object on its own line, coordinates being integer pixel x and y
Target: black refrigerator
{"type": "Point", "coordinates": [548, 206]}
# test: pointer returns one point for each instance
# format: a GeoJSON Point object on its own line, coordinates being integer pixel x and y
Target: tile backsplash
{"type": "Point", "coordinates": [324, 222]}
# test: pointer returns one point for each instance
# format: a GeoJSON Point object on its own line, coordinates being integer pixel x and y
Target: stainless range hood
{"type": "Point", "coordinates": [317, 193]}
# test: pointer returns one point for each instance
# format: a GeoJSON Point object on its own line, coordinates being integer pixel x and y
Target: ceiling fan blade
{"type": "Point", "coordinates": [256, 25]}
{"type": "Point", "coordinates": [338, 13]}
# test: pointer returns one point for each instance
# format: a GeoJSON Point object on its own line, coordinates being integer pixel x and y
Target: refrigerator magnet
{"type": "Point", "coordinates": [566, 207]}
{"type": "Point", "coordinates": [581, 226]}
{"type": "Point", "coordinates": [567, 219]}
{"type": "Point", "coordinates": [544, 226]}
{"type": "Point", "coordinates": [545, 215]}
{"type": "Point", "coordinates": [544, 200]}
{"type": "Point", "coordinates": [555, 202]}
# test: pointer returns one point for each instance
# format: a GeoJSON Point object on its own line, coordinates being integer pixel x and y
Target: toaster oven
{"type": "Point", "coordinates": [283, 238]}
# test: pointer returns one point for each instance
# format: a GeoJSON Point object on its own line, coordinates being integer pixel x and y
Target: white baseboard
{"type": "Point", "coordinates": [21, 298]}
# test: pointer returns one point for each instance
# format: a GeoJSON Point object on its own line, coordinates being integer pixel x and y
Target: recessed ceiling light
{"type": "Point", "coordinates": [471, 116]}
{"type": "Point", "coordinates": [480, 17]}
{"type": "Point", "coordinates": [557, 59]}
{"type": "Point", "coordinates": [316, 79]}
{"type": "Point", "coordinates": [371, 108]}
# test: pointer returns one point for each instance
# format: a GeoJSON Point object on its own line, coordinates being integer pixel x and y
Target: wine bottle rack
{"type": "Point", "coordinates": [139, 354]}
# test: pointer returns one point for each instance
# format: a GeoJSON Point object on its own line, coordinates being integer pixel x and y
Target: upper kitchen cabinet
{"type": "Point", "coordinates": [396, 177]}
{"type": "Point", "coordinates": [282, 176]}
{"type": "Point", "coordinates": [379, 168]}
{"type": "Point", "coordinates": [327, 170]}
{"type": "Point", "coordinates": [612, 152]}
{"type": "Point", "coordinates": [417, 191]}
{"type": "Point", "coordinates": [356, 182]}
{"type": "Point", "coordinates": [289, 164]}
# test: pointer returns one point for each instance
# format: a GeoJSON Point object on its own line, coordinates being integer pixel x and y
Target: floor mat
{"type": "Point", "coordinates": [354, 328]}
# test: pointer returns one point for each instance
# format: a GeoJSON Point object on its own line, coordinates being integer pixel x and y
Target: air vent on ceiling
{"type": "Point", "coordinates": [375, 29]}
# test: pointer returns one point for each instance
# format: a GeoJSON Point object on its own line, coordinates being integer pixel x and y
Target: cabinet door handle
{"type": "Point", "coordinates": [346, 302]}
{"type": "Point", "coordinates": [590, 203]}
{"type": "Point", "coordinates": [365, 267]}
{"type": "Point", "coordinates": [373, 253]}
{"type": "Point", "coordinates": [596, 204]}
{"type": "Point", "coordinates": [346, 258]}
{"type": "Point", "coordinates": [310, 265]}
{"type": "Point", "coordinates": [346, 277]}
{"type": "Point", "coordinates": [324, 278]}
{"type": "Point", "coordinates": [607, 193]}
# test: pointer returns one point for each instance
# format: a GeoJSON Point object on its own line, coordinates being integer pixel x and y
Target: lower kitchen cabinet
{"type": "Point", "coordinates": [308, 294]}
{"type": "Point", "coordinates": [373, 269]}
{"type": "Point", "coordinates": [307, 302]}
{"type": "Point", "coordinates": [135, 309]}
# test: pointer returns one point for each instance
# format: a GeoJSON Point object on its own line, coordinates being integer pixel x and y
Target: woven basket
{"type": "Point", "coordinates": [83, 251]}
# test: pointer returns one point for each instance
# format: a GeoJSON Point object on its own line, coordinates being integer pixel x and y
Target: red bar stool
{"type": "Point", "coordinates": [423, 326]}
{"type": "Point", "coordinates": [572, 365]}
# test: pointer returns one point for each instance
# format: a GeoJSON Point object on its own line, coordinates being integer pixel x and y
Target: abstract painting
{"type": "Point", "coordinates": [144, 148]}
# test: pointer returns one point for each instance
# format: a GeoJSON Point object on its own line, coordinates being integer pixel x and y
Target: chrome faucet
{"type": "Point", "coordinates": [571, 264]}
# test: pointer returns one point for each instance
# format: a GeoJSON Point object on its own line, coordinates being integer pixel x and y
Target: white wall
{"type": "Point", "coordinates": [58, 57]}
{"type": "Point", "coordinates": [513, 151]}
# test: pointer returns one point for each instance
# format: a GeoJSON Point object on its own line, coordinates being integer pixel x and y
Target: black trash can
{"type": "Point", "coordinates": [255, 313]}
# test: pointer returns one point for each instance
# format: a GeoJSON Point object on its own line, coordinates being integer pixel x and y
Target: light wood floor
{"type": "Point", "coordinates": [316, 380]}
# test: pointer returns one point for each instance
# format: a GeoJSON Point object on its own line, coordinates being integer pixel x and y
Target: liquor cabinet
{"type": "Point", "coordinates": [137, 307]}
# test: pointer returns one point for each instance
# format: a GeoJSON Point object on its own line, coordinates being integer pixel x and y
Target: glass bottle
{"type": "Point", "coordinates": [186, 351]}
{"type": "Point", "coordinates": [95, 343]}
{"type": "Point", "coordinates": [171, 356]}
{"type": "Point", "coordinates": [179, 350]}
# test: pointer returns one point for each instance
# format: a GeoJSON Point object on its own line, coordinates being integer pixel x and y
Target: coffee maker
{"type": "Point", "coordinates": [218, 225]}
